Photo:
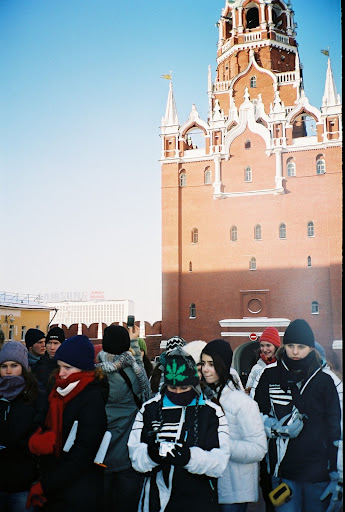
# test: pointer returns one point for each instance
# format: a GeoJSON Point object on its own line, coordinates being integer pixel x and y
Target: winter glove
{"type": "Point", "coordinates": [153, 451]}
{"type": "Point", "coordinates": [335, 491]}
{"type": "Point", "coordinates": [180, 456]}
{"type": "Point", "coordinates": [36, 496]}
{"type": "Point", "coordinates": [288, 431]}
{"type": "Point", "coordinates": [269, 424]}
{"type": "Point", "coordinates": [42, 443]}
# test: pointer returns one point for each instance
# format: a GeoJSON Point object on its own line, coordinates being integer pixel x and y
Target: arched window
{"type": "Point", "coordinates": [320, 165]}
{"type": "Point", "coordinates": [252, 264]}
{"type": "Point", "coordinates": [192, 311]}
{"type": "Point", "coordinates": [233, 234]}
{"type": "Point", "coordinates": [291, 168]}
{"type": "Point", "coordinates": [309, 261]}
{"type": "Point", "coordinates": [183, 179]}
{"type": "Point", "coordinates": [247, 144]}
{"type": "Point", "coordinates": [195, 236]}
{"type": "Point", "coordinates": [252, 17]}
{"type": "Point", "coordinates": [315, 308]}
{"type": "Point", "coordinates": [253, 82]}
{"type": "Point", "coordinates": [282, 230]}
{"type": "Point", "coordinates": [207, 176]}
{"type": "Point", "coordinates": [248, 174]}
{"type": "Point", "coordinates": [311, 231]}
{"type": "Point", "coordinates": [257, 232]}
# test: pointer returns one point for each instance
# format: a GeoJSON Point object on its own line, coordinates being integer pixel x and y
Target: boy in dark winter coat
{"type": "Point", "coordinates": [180, 441]}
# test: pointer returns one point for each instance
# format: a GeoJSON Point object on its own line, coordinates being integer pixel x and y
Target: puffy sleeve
{"type": "Point", "coordinates": [214, 461]}
{"type": "Point", "coordinates": [250, 443]}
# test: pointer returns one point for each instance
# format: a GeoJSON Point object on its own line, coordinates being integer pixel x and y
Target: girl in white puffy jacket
{"type": "Point", "coordinates": [238, 485]}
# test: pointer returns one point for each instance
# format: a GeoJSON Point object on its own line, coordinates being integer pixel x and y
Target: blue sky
{"type": "Point", "coordinates": [81, 101]}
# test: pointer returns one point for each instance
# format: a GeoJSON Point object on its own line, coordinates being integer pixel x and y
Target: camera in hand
{"type": "Point", "coordinates": [166, 447]}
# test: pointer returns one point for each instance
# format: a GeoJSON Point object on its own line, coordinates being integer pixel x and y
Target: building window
{"type": "Point", "coordinates": [252, 264]}
{"type": "Point", "coordinates": [257, 232]}
{"type": "Point", "coordinates": [248, 174]}
{"type": "Point", "coordinates": [207, 177]}
{"type": "Point", "coordinates": [183, 179]}
{"type": "Point", "coordinates": [192, 311]}
{"type": "Point", "coordinates": [247, 144]}
{"type": "Point", "coordinates": [320, 165]}
{"type": "Point", "coordinates": [311, 231]}
{"type": "Point", "coordinates": [282, 230]}
{"type": "Point", "coordinates": [309, 261]}
{"type": "Point", "coordinates": [11, 332]}
{"type": "Point", "coordinates": [233, 234]}
{"type": "Point", "coordinates": [190, 267]}
{"type": "Point", "coordinates": [291, 168]}
{"type": "Point", "coordinates": [315, 308]}
{"type": "Point", "coordinates": [195, 236]}
{"type": "Point", "coordinates": [253, 82]}
{"type": "Point", "coordinates": [22, 337]}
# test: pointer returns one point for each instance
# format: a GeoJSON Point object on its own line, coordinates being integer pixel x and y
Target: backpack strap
{"type": "Point", "coordinates": [125, 377]}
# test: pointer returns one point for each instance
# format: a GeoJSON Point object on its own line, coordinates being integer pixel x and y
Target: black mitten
{"type": "Point", "coordinates": [180, 456]}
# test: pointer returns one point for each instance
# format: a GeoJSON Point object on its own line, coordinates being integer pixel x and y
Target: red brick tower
{"type": "Point", "coordinates": [252, 197]}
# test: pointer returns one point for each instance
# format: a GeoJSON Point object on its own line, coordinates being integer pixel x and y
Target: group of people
{"type": "Point", "coordinates": [100, 430]}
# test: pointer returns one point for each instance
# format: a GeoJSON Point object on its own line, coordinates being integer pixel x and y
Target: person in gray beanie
{"type": "Point", "coordinates": [22, 410]}
{"type": "Point", "coordinates": [301, 411]}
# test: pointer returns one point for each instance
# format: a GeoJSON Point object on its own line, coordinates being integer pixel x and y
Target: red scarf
{"type": "Point", "coordinates": [58, 402]}
{"type": "Point", "coordinates": [267, 360]}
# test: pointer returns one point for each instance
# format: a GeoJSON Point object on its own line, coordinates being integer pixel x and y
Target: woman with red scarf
{"type": "Point", "coordinates": [74, 428]}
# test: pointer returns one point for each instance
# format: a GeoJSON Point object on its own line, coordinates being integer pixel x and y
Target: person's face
{"type": "Point", "coordinates": [179, 389]}
{"type": "Point", "coordinates": [267, 349]}
{"type": "Point", "coordinates": [66, 370]}
{"type": "Point", "coordinates": [10, 369]}
{"type": "Point", "coordinates": [51, 347]}
{"type": "Point", "coordinates": [297, 350]}
{"type": "Point", "coordinates": [38, 348]}
{"type": "Point", "coordinates": [208, 369]}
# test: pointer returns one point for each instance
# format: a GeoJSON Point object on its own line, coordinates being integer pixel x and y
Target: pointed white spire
{"type": "Point", "coordinates": [170, 118]}
{"type": "Point", "coordinates": [209, 80]}
{"type": "Point", "coordinates": [330, 96]}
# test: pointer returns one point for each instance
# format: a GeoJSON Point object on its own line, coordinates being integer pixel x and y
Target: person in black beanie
{"type": "Point", "coordinates": [35, 343]}
{"type": "Point", "coordinates": [46, 365]}
{"type": "Point", "coordinates": [301, 410]}
{"type": "Point", "coordinates": [129, 388]}
{"type": "Point", "coordinates": [238, 485]}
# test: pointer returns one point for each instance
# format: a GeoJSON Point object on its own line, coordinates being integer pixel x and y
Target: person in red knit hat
{"type": "Point", "coordinates": [269, 344]}
{"type": "Point", "coordinates": [73, 431]}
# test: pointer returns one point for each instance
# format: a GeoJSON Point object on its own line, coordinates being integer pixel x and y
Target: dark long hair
{"type": "Point", "coordinates": [223, 373]}
{"type": "Point", "coordinates": [31, 386]}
